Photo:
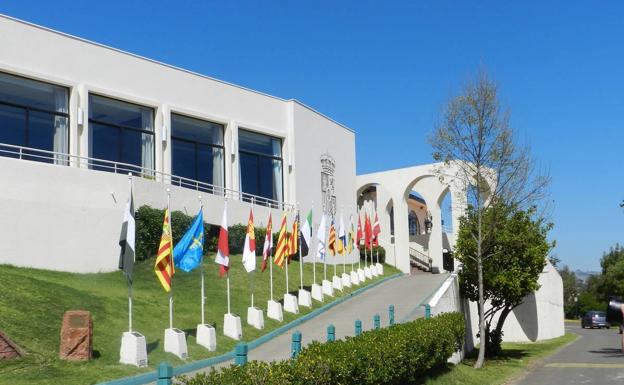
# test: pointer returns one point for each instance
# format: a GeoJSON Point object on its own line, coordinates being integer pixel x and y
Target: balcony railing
{"type": "Point", "coordinates": [62, 159]}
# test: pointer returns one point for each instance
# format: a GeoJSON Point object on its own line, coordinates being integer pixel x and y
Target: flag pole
{"type": "Point", "coordinates": [228, 272]}
{"type": "Point", "coordinates": [271, 264]}
{"type": "Point", "coordinates": [127, 278]}
{"type": "Point", "coordinates": [310, 245]}
{"type": "Point", "coordinates": [251, 275]}
{"type": "Point", "coordinates": [325, 255]}
{"type": "Point", "coordinates": [287, 256]}
{"type": "Point", "coordinates": [171, 259]}
{"type": "Point", "coordinates": [299, 244]}
{"type": "Point", "coordinates": [201, 270]}
{"type": "Point", "coordinates": [344, 246]}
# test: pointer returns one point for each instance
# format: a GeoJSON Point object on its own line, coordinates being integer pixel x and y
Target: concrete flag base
{"type": "Point", "coordinates": [290, 303]}
{"type": "Point", "coordinates": [368, 273]}
{"type": "Point", "coordinates": [361, 275]}
{"type": "Point", "coordinates": [337, 283]}
{"type": "Point", "coordinates": [232, 326]}
{"type": "Point", "coordinates": [305, 298]}
{"type": "Point", "coordinates": [346, 280]}
{"type": "Point", "coordinates": [327, 288]}
{"type": "Point", "coordinates": [373, 269]}
{"type": "Point", "coordinates": [133, 349]}
{"type": "Point", "coordinates": [355, 279]}
{"type": "Point", "coordinates": [207, 337]}
{"type": "Point", "coordinates": [317, 292]}
{"type": "Point", "coordinates": [255, 317]}
{"type": "Point", "coordinates": [175, 343]}
{"type": "Point", "coordinates": [274, 311]}
{"type": "Point", "coordinates": [379, 268]}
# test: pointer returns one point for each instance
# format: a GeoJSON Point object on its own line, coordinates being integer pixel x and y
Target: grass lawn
{"type": "Point", "coordinates": [33, 301]}
{"type": "Point", "coordinates": [516, 358]}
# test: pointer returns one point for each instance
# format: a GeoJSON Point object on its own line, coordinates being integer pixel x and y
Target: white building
{"type": "Point", "coordinates": [77, 116]}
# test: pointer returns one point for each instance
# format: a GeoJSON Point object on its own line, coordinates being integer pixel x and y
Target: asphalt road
{"type": "Point", "coordinates": [594, 358]}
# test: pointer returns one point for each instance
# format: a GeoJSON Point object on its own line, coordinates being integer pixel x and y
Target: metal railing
{"type": "Point", "coordinates": [420, 259]}
{"type": "Point", "coordinates": [63, 159]}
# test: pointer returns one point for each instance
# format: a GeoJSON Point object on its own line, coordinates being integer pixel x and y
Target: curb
{"type": "Point", "coordinates": [182, 369]}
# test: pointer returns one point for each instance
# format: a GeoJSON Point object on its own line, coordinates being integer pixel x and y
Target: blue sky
{"type": "Point", "coordinates": [386, 68]}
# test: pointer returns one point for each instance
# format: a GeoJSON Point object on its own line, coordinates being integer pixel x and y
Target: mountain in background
{"type": "Point", "coordinates": [583, 275]}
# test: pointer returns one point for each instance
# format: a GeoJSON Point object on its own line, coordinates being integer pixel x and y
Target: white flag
{"type": "Point", "coordinates": [320, 235]}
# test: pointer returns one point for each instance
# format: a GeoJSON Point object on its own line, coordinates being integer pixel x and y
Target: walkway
{"type": "Point", "coordinates": [594, 358]}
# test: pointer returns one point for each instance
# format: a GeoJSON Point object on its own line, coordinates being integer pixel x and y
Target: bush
{"type": "Point", "coordinates": [382, 254]}
{"type": "Point", "coordinates": [395, 355]}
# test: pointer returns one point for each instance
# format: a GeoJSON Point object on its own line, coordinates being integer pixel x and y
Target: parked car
{"type": "Point", "coordinates": [595, 319]}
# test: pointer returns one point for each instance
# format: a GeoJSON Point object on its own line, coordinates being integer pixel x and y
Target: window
{"type": "Point", "coordinates": [260, 159]}
{"type": "Point", "coordinates": [414, 225]}
{"type": "Point", "coordinates": [197, 150]}
{"type": "Point", "coordinates": [121, 132]}
{"type": "Point", "coordinates": [33, 114]}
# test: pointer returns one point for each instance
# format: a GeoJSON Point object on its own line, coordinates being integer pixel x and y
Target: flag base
{"type": "Point", "coordinates": [305, 299]}
{"type": "Point", "coordinates": [175, 343]}
{"type": "Point", "coordinates": [317, 292]}
{"type": "Point", "coordinates": [368, 273]}
{"type": "Point", "coordinates": [255, 317]}
{"type": "Point", "coordinates": [379, 268]}
{"type": "Point", "coordinates": [361, 275]}
{"type": "Point", "coordinates": [207, 337]}
{"type": "Point", "coordinates": [346, 280]}
{"type": "Point", "coordinates": [374, 270]}
{"type": "Point", "coordinates": [290, 303]}
{"type": "Point", "coordinates": [232, 326]}
{"type": "Point", "coordinates": [274, 311]}
{"type": "Point", "coordinates": [328, 288]}
{"type": "Point", "coordinates": [337, 283]}
{"type": "Point", "coordinates": [133, 349]}
{"type": "Point", "coordinates": [355, 279]}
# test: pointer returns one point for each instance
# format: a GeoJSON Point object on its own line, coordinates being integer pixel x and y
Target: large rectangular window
{"type": "Point", "coordinates": [33, 114]}
{"type": "Point", "coordinates": [121, 132]}
{"type": "Point", "coordinates": [197, 151]}
{"type": "Point", "coordinates": [260, 160]}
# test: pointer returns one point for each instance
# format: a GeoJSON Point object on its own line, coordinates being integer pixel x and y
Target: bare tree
{"type": "Point", "coordinates": [475, 136]}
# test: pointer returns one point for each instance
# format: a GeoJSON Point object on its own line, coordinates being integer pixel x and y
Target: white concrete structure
{"type": "Point", "coordinates": [74, 209]}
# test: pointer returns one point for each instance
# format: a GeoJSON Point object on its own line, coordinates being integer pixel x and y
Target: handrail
{"type": "Point", "coordinates": [64, 159]}
{"type": "Point", "coordinates": [420, 258]}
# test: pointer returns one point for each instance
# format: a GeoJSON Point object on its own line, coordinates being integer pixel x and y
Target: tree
{"type": "Point", "coordinates": [518, 252]}
{"type": "Point", "coordinates": [475, 137]}
{"type": "Point", "coordinates": [612, 278]}
{"type": "Point", "coordinates": [571, 290]}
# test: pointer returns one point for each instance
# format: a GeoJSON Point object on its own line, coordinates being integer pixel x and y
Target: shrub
{"type": "Point", "coordinates": [394, 355]}
{"type": "Point", "coordinates": [382, 254]}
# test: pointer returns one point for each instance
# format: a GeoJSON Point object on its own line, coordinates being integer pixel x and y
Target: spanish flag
{"type": "Point", "coordinates": [281, 250]}
{"type": "Point", "coordinates": [164, 264]}
{"type": "Point", "coordinates": [332, 238]}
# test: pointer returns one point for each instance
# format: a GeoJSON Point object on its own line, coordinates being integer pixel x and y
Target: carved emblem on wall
{"type": "Point", "coordinates": [328, 187]}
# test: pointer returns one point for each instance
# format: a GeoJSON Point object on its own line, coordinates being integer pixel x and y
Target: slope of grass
{"type": "Point", "coordinates": [32, 303]}
{"type": "Point", "coordinates": [516, 358]}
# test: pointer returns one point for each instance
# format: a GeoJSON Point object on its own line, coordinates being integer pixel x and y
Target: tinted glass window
{"type": "Point", "coordinates": [263, 144]}
{"type": "Point", "coordinates": [116, 112]}
{"type": "Point", "coordinates": [260, 165]}
{"type": "Point", "coordinates": [32, 93]}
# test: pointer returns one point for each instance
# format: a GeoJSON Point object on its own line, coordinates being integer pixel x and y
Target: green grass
{"type": "Point", "coordinates": [33, 301]}
{"type": "Point", "coordinates": [516, 358]}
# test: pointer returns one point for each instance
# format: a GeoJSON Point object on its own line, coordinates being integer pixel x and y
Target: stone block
{"type": "Point", "coordinates": [76, 336]}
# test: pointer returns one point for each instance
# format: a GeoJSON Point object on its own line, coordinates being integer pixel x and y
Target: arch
{"type": "Point", "coordinates": [413, 223]}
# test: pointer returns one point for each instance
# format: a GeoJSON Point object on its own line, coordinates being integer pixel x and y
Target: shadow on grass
{"type": "Point", "coordinates": [152, 346]}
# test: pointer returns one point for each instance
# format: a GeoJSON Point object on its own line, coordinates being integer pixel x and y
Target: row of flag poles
{"type": "Point", "coordinates": [187, 255]}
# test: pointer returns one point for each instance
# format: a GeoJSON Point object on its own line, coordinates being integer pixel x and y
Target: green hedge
{"type": "Point", "coordinates": [382, 254]}
{"type": "Point", "coordinates": [395, 355]}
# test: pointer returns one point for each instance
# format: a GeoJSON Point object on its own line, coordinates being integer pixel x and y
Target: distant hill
{"type": "Point", "coordinates": [583, 275]}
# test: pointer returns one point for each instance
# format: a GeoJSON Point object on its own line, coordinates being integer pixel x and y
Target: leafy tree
{"type": "Point", "coordinates": [571, 290]}
{"type": "Point", "coordinates": [475, 137]}
{"type": "Point", "coordinates": [518, 251]}
{"type": "Point", "coordinates": [612, 279]}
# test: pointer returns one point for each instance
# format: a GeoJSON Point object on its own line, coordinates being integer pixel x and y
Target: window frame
{"type": "Point", "coordinates": [258, 155]}
{"type": "Point", "coordinates": [196, 143]}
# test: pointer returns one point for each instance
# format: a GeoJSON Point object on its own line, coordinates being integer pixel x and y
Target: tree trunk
{"type": "Point", "coordinates": [482, 336]}
{"type": "Point", "coordinates": [501, 319]}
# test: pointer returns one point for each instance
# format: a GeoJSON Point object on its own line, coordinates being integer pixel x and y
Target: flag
{"type": "Point", "coordinates": [350, 236]}
{"type": "Point", "coordinates": [359, 231]}
{"type": "Point", "coordinates": [268, 244]}
{"type": "Point", "coordinates": [164, 260]}
{"type": "Point", "coordinates": [188, 253]}
{"type": "Point", "coordinates": [293, 245]}
{"type": "Point", "coordinates": [282, 244]}
{"type": "Point", "coordinates": [223, 246]}
{"type": "Point", "coordinates": [376, 231]}
{"type": "Point", "coordinates": [126, 240]}
{"type": "Point", "coordinates": [320, 235]}
{"type": "Point", "coordinates": [342, 237]}
{"type": "Point", "coordinates": [306, 235]}
{"type": "Point", "coordinates": [332, 238]}
{"type": "Point", "coordinates": [368, 232]}
{"type": "Point", "coordinates": [249, 250]}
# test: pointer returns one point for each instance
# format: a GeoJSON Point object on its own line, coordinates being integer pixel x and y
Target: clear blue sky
{"type": "Point", "coordinates": [385, 69]}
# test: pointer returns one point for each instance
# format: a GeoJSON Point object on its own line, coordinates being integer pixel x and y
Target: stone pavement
{"type": "Point", "coordinates": [594, 358]}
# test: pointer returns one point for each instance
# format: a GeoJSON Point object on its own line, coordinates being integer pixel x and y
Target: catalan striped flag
{"type": "Point", "coordinates": [282, 244]}
{"type": "Point", "coordinates": [293, 245]}
{"type": "Point", "coordinates": [164, 261]}
{"type": "Point", "coordinates": [350, 236]}
{"type": "Point", "coordinates": [332, 238]}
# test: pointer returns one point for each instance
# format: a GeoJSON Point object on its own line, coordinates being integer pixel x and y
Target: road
{"type": "Point", "coordinates": [594, 358]}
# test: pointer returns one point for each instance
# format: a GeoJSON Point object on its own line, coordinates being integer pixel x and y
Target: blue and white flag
{"type": "Point", "coordinates": [187, 254]}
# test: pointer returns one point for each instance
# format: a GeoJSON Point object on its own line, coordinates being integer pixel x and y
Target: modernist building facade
{"type": "Point", "coordinates": [76, 117]}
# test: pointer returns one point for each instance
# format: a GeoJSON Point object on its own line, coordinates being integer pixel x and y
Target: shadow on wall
{"type": "Point", "coordinates": [526, 314]}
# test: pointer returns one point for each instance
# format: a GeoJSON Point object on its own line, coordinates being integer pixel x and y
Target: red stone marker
{"type": "Point", "coordinates": [8, 349]}
{"type": "Point", "coordinates": [76, 336]}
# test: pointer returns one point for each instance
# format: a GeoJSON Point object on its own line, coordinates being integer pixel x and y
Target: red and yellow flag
{"type": "Point", "coordinates": [164, 261]}
{"type": "Point", "coordinates": [293, 245]}
{"type": "Point", "coordinates": [332, 238]}
{"type": "Point", "coordinates": [281, 251]}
